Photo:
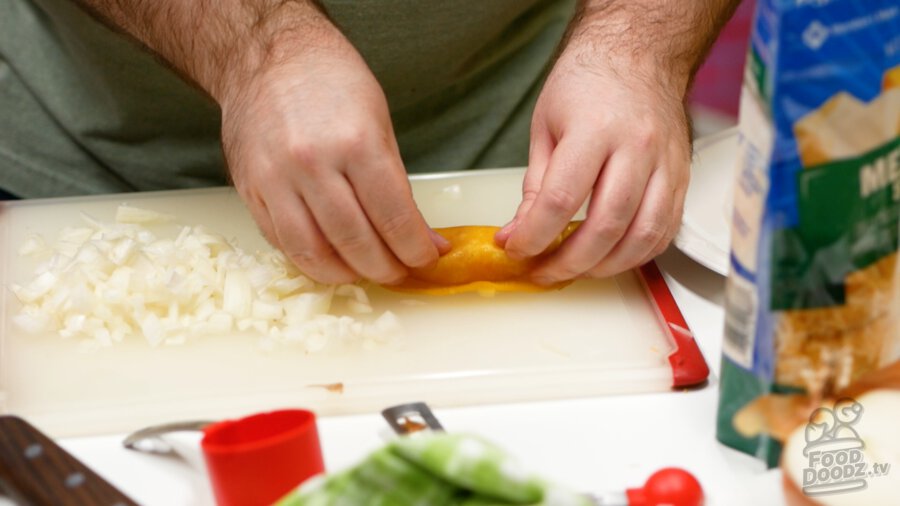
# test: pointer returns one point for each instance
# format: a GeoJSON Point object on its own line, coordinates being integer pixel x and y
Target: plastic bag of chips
{"type": "Point", "coordinates": [812, 296]}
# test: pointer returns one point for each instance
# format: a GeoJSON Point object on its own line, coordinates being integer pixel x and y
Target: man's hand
{"type": "Point", "coordinates": [610, 129]}
{"type": "Point", "coordinates": [305, 128]}
{"type": "Point", "coordinates": [618, 140]}
{"type": "Point", "coordinates": [312, 152]}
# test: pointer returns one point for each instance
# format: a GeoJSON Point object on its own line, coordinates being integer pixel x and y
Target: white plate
{"type": "Point", "coordinates": [705, 227]}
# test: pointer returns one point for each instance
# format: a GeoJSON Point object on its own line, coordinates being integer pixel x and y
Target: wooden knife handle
{"type": "Point", "coordinates": [35, 471]}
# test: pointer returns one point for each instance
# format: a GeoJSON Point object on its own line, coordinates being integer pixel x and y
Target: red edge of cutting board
{"type": "Point", "coordinates": [688, 365]}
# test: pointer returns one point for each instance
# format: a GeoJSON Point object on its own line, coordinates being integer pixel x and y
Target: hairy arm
{"type": "Point", "coordinates": [218, 44]}
{"type": "Point", "coordinates": [610, 129]}
{"type": "Point", "coordinates": [660, 38]}
{"type": "Point", "coordinates": [306, 129]}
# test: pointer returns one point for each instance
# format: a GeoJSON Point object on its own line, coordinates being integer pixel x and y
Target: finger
{"type": "Point", "coordinates": [539, 152]}
{"type": "Point", "coordinates": [660, 246]}
{"type": "Point", "coordinates": [674, 224]}
{"type": "Point", "coordinates": [568, 179]}
{"type": "Point", "coordinates": [682, 179]}
{"type": "Point", "coordinates": [386, 199]}
{"type": "Point", "coordinates": [651, 224]}
{"type": "Point", "coordinates": [260, 214]}
{"type": "Point", "coordinates": [612, 208]}
{"type": "Point", "coordinates": [303, 242]}
{"type": "Point", "coordinates": [442, 244]}
{"type": "Point", "coordinates": [335, 208]}
{"type": "Point", "coordinates": [654, 252]}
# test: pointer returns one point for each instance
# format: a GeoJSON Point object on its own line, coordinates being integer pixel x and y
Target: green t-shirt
{"type": "Point", "coordinates": [84, 110]}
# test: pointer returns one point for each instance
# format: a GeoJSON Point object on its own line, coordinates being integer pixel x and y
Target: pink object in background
{"type": "Point", "coordinates": [717, 85]}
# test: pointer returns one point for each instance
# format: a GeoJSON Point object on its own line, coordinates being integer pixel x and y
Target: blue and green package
{"type": "Point", "coordinates": [812, 296]}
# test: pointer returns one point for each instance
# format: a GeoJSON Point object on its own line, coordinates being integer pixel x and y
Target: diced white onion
{"type": "Point", "coordinates": [33, 323]}
{"type": "Point", "coordinates": [32, 246]}
{"type": "Point", "coordinates": [128, 214]}
{"type": "Point", "coordinates": [37, 288]}
{"type": "Point", "coordinates": [359, 307]}
{"type": "Point", "coordinates": [104, 282]}
{"type": "Point", "coordinates": [355, 292]}
{"type": "Point", "coordinates": [267, 310]}
{"type": "Point", "coordinates": [237, 297]}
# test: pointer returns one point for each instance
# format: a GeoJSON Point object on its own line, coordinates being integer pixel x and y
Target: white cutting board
{"type": "Point", "coordinates": [591, 338]}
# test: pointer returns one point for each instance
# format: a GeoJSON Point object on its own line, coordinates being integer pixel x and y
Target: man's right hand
{"type": "Point", "coordinates": [309, 143]}
{"type": "Point", "coordinates": [305, 128]}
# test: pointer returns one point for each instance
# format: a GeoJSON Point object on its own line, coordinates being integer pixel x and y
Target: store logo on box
{"type": "Point", "coordinates": [815, 35]}
{"type": "Point", "coordinates": [836, 462]}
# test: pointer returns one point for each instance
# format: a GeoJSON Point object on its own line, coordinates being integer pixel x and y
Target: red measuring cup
{"type": "Point", "coordinates": [258, 459]}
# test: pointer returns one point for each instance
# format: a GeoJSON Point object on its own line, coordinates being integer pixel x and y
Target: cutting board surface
{"type": "Point", "coordinates": [593, 337]}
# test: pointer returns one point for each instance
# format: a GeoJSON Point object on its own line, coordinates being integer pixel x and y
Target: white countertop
{"type": "Point", "coordinates": [599, 444]}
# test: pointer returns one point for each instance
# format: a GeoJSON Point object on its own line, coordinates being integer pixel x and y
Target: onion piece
{"type": "Point", "coordinates": [33, 246]}
{"type": "Point", "coordinates": [128, 214]}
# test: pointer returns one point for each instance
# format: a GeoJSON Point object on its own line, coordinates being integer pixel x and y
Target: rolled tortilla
{"type": "Point", "coordinates": [476, 263]}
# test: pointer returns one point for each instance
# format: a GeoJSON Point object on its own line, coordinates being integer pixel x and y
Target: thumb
{"type": "Point", "coordinates": [538, 159]}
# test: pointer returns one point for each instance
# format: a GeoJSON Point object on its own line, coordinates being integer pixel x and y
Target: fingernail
{"type": "Point", "coordinates": [503, 234]}
{"type": "Point", "coordinates": [443, 245]}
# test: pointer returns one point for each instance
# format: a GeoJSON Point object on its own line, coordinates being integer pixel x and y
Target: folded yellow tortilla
{"type": "Point", "coordinates": [476, 263]}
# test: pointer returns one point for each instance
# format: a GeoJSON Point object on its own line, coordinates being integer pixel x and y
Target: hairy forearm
{"type": "Point", "coordinates": [663, 39]}
{"type": "Point", "coordinates": [218, 43]}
